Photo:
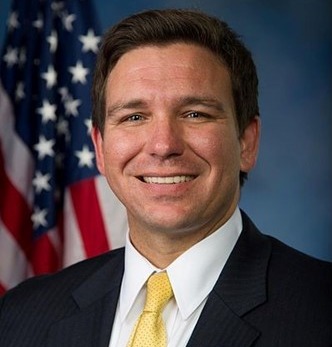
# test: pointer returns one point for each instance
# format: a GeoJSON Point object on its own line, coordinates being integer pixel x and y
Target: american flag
{"type": "Point", "coordinates": [54, 207]}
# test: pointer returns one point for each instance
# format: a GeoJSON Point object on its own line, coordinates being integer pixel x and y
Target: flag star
{"type": "Point", "coordinates": [63, 128]}
{"type": "Point", "coordinates": [88, 124]}
{"type": "Point", "coordinates": [67, 21]}
{"type": "Point", "coordinates": [90, 41]}
{"type": "Point", "coordinates": [50, 77]}
{"type": "Point", "coordinates": [11, 56]}
{"type": "Point", "coordinates": [79, 72]}
{"type": "Point", "coordinates": [44, 147]}
{"type": "Point", "coordinates": [63, 91]}
{"type": "Point", "coordinates": [47, 111]}
{"type": "Point", "coordinates": [85, 157]}
{"type": "Point", "coordinates": [41, 182]}
{"type": "Point", "coordinates": [57, 6]}
{"type": "Point", "coordinates": [38, 23]}
{"type": "Point", "coordinates": [19, 92]}
{"type": "Point", "coordinates": [39, 217]}
{"type": "Point", "coordinates": [71, 106]}
{"type": "Point", "coordinates": [53, 41]}
{"type": "Point", "coordinates": [13, 22]}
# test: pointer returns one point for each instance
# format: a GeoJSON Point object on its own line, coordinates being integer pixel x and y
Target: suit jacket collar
{"type": "Point", "coordinates": [96, 299]}
{"type": "Point", "coordinates": [240, 288]}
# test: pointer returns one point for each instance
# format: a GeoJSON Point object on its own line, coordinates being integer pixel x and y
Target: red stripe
{"type": "Point", "coordinates": [14, 211]}
{"type": "Point", "coordinates": [44, 257]}
{"type": "Point", "coordinates": [89, 217]}
{"type": "Point", "coordinates": [2, 289]}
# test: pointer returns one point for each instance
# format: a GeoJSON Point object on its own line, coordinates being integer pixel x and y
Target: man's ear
{"type": "Point", "coordinates": [250, 144]}
{"type": "Point", "coordinates": [97, 140]}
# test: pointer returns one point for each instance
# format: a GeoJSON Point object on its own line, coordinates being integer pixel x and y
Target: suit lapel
{"type": "Point", "coordinates": [96, 299]}
{"type": "Point", "coordinates": [240, 288]}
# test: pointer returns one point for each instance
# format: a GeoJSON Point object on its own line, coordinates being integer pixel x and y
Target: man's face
{"type": "Point", "coordinates": [171, 150]}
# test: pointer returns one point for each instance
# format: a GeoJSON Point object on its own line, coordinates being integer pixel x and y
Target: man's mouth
{"type": "Point", "coordinates": [167, 179]}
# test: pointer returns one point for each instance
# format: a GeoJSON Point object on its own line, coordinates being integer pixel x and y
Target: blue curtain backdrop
{"type": "Point", "coordinates": [289, 193]}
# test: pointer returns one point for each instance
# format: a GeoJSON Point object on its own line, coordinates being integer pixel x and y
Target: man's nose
{"type": "Point", "coordinates": [165, 138]}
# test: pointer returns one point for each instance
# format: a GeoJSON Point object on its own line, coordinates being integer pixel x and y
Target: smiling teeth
{"type": "Point", "coordinates": [168, 180]}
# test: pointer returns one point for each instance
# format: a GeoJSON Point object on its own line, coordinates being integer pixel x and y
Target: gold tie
{"type": "Point", "coordinates": [149, 330]}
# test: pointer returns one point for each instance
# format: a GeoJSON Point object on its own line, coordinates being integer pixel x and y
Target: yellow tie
{"type": "Point", "coordinates": [149, 330]}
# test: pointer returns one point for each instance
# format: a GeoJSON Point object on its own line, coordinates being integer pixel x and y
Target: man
{"type": "Point", "coordinates": [176, 130]}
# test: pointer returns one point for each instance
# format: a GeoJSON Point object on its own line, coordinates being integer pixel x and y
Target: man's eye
{"type": "Point", "coordinates": [194, 115]}
{"type": "Point", "coordinates": [198, 115]}
{"type": "Point", "coordinates": [134, 118]}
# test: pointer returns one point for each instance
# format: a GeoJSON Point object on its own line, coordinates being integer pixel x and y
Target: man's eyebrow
{"type": "Point", "coordinates": [201, 101]}
{"type": "Point", "coordinates": [132, 104]}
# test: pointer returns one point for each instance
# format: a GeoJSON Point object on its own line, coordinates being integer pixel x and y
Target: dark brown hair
{"type": "Point", "coordinates": [163, 27]}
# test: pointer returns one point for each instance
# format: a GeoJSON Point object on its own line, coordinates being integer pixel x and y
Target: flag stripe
{"type": "Point", "coordinates": [11, 253]}
{"type": "Point", "coordinates": [2, 288]}
{"type": "Point", "coordinates": [73, 249]}
{"type": "Point", "coordinates": [89, 218]}
{"type": "Point", "coordinates": [19, 162]}
{"type": "Point", "coordinates": [14, 212]}
{"type": "Point", "coordinates": [113, 212]}
{"type": "Point", "coordinates": [45, 258]}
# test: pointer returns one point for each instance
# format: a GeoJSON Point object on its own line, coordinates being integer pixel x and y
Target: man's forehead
{"type": "Point", "coordinates": [142, 53]}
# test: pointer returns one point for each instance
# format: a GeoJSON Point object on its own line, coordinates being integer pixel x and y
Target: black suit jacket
{"type": "Point", "coordinates": [267, 295]}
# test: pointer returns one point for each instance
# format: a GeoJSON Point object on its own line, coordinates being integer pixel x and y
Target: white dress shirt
{"type": "Point", "coordinates": [192, 275]}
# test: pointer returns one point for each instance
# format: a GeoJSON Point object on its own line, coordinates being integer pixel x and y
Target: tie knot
{"type": "Point", "coordinates": [159, 292]}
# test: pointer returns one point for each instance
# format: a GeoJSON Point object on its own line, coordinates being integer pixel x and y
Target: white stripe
{"type": "Point", "coordinates": [14, 267]}
{"type": "Point", "coordinates": [73, 250]}
{"type": "Point", "coordinates": [19, 163]}
{"type": "Point", "coordinates": [114, 214]}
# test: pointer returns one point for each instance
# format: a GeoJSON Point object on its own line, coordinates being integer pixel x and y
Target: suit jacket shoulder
{"type": "Point", "coordinates": [34, 306]}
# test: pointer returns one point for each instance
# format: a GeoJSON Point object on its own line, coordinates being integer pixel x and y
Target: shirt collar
{"type": "Point", "coordinates": [137, 270]}
{"type": "Point", "coordinates": [192, 275]}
